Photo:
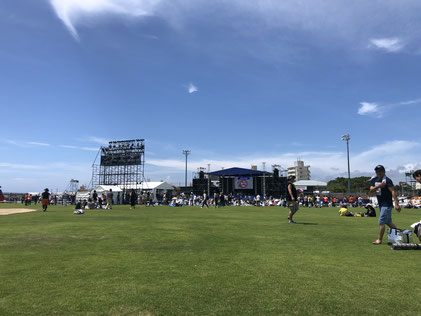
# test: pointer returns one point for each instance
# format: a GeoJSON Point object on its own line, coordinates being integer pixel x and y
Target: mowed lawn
{"type": "Point", "coordinates": [193, 261]}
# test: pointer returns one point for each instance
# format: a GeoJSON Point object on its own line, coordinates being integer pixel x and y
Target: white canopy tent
{"type": "Point", "coordinates": [82, 195]}
{"type": "Point", "coordinates": [106, 188]}
{"type": "Point", "coordinates": [153, 187]}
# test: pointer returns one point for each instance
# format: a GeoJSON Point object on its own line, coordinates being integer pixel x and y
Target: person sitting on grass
{"type": "Point", "coordinates": [417, 226]}
{"type": "Point", "coordinates": [371, 212]}
{"type": "Point", "coordinates": [344, 211]}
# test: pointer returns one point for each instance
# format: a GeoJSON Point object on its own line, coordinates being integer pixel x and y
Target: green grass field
{"type": "Point", "coordinates": [192, 261]}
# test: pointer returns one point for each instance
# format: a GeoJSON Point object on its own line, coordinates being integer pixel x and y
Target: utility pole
{"type": "Point", "coordinates": [264, 179]}
{"type": "Point", "coordinates": [347, 137]}
{"type": "Point", "coordinates": [186, 153]}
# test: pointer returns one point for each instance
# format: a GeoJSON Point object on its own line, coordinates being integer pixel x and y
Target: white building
{"type": "Point", "coordinates": [311, 186]}
{"type": "Point", "coordinates": [299, 171]}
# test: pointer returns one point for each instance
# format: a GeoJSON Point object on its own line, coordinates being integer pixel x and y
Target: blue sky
{"type": "Point", "coordinates": [237, 82]}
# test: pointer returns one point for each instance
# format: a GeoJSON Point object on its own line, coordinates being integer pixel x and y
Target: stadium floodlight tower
{"type": "Point", "coordinates": [186, 153]}
{"type": "Point", "coordinates": [347, 137]}
{"type": "Point", "coordinates": [264, 179]}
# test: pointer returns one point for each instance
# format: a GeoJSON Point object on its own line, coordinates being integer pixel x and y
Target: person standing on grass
{"type": "Point", "coordinates": [95, 197]}
{"type": "Point", "coordinates": [216, 199]}
{"type": "Point", "coordinates": [205, 200]}
{"type": "Point", "coordinates": [1, 195]}
{"type": "Point", "coordinates": [45, 200]}
{"type": "Point", "coordinates": [109, 200]}
{"type": "Point", "coordinates": [385, 192]}
{"type": "Point", "coordinates": [133, 199]}
{"type": "Point", "coordinates": [292, 199]}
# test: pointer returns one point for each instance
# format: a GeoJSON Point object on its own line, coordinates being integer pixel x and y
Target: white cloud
{"type": "Point", "coordinates": [397, 156]}
{"type": "Point", "coordinates": [331, 22]}
{"type": "Point", "coordinates": [89, 148]}
{"type": "Point", "coordinates": [376, 110]}
{"type": "Point", "coordinates": [79, 148]}
{"type": "Point", "coordinates": [68, 146]}
{"type": "Point", "coordinates": [191, 88]}
{"type": "Point", "coordinates": [18, 166]}
{"type": "Point", "coordinates": [72, 12]}
{"type": "Point", "coordinates": [390, 45]}
{"type": "Point", "coordinates": [38, 144]}
{"type": "Point", "coordinates": [25, 144]}
{"type": "Point", "coordinates": [324, 165]}
{"type": "Point", "coordinates": [98, 140]}
{"type": "Point", "coordinates": [370, 109]}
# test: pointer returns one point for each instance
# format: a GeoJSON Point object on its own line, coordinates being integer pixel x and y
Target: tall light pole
{"type": "Point", "coordinates": [347, 137]}
{"type": "Point", "coordinates": [186, 153]}
{"type": "Point", "coordinates": [264, 179]}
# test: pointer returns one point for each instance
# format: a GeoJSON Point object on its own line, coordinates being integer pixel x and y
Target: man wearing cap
{"type": "Point", "coordinates": [383, 187]}
{"type": "Point", "coordinates": [45, 199]}
{"type": "Point", "coordinates": [292, 199]}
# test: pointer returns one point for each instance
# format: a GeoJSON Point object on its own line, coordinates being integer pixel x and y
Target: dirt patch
{"type": "Point", "coordinates": [9, 211]}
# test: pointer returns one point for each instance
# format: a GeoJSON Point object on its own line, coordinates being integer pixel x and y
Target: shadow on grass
{"type": "Point", "coordinates": [306, 224]}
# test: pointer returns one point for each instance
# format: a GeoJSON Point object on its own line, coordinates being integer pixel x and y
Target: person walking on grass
{"type": "Point", "coordinates": [205, 200]}
{"type": "Point", "coordinates": [292, 199]}
{"type": "Point", "coordinates": [216, 199]}
{"type": "Point", "coordinates": [386, 194]}
{"type": "Point", "coordinates": [110, 196]}
{"type": "Point", "coordinates": [45, 200]}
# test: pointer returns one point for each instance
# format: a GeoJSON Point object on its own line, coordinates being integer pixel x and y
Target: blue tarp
{"type": "Point", "coordinates": [236, 172]}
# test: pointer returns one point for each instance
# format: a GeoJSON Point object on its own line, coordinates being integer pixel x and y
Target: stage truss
{"type": "Point", "coordinates": [121, 163]}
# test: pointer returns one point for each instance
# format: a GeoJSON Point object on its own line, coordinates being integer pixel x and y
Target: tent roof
{"type": "Point", "coordinates": [310, 183]}
{"type": "Point", "coordinates": [140, 186]}
{"type": "Point", "coordinates": [237, 172]}
{"type": "Point", "coordinates": [151, 186]}
{"type": "Point", "coordinates": [103, 188]}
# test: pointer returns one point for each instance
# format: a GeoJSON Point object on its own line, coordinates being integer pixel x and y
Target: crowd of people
{"type": "Point", "coordinates": [380, 185]}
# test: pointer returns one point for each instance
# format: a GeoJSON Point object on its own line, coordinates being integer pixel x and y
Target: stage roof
{"type": "Point", "coordinates": [237, 172]}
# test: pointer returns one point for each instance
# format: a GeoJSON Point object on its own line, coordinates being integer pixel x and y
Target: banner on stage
{"type": "Point", "coordinates": [243, 183]}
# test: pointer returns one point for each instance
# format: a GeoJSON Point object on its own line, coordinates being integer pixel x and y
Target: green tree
{"type": "Point", "coordinates": [340, 185]}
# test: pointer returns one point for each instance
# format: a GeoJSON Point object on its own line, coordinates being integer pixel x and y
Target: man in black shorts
{"type": "Point", "coordinates": [292, 199]}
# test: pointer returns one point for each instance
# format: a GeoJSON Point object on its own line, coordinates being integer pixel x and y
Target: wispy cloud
{"type": "Point", "coordinates": [191, 88]}
{"type": "Point", "coordinates": [98, 140]}
{"type": "Point", "coordinates": [89, 148]}
{"type": "Point", "coordinates": [376, 110]}
{"type": "Point", "coordinates": [324, 164]}
{"type": "Point", "coordinates": [25, 144]}
{"type": "Point", "coordinates": [79, 148]}
{"type": "Point", "coordinates": [19, 166]}
{"type": "Point", "coordinates": [73, 11]}
{"type": "Point", "coordinates": [390, 45]}
{"type": "Point", "coordinates": [38, 144]}
{"type": "Point", "coordinates": [328, 20]}
{"type": "Point", "coordinates": [68, 146]}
